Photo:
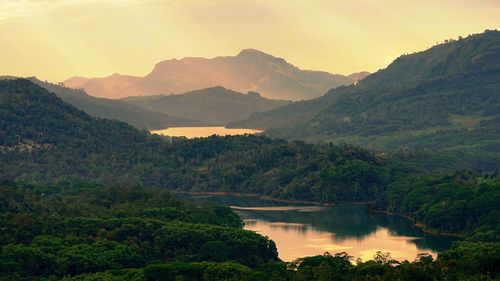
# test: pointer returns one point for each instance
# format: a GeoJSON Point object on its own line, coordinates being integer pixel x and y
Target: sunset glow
{"type": "Point", "coordinates": [56, 39]}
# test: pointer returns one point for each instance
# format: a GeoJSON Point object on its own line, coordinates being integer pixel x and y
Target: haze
{"type": "Point", "coordinates": [55, 39]}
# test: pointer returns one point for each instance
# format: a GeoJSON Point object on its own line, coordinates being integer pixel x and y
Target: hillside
{"type": "Point", "coordinates": [115, 110]}
{"type": "Point", "coordinates": [446, 98]}
{"type": "Point", "coordinates": [249, 71]}
{"type": "Point", "coordinates": [215, 106]}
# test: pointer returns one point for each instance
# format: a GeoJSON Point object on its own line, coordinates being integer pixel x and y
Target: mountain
{"type": "Point", "coordinates": [215, 106]}
{"type": "Point", "coordinates": [75, 81]}
{"type": "Point", "coordinates": [249, 71]}
{"type": "Point", "coordinates": [446, 98]}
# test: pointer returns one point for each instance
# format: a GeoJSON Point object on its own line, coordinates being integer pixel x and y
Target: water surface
{"type": "Point", "coordinates": [304, 230]}
{"type": "Point", "coordinates": [197, 132]}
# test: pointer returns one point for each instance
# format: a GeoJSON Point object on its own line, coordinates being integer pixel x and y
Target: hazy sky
{"type": "Point", "coordinates": [55, 39]}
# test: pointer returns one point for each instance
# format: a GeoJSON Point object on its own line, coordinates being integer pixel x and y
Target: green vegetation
{"type": "Point", "coordinates": [73, 206]}
{"type": "Point", "coordinates": [456, 203]}
{"type": "Point", "coordinates": [86, 231]}
{"type": "Point", "coordinates": [76, 228]}
{"type": "Point", "coordinates": [44, 140]}
{"type": "Point", "coordinates": [445, 100]}
{"type": "Point", "coordinates": [212, 106]}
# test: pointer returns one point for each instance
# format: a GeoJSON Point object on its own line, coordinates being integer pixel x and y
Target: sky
{"type": "Point", "coordinates": [57, 39]}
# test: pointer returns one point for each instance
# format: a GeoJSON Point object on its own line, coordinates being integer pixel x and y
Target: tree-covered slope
{"type": "Point", "coordinates": [116, 110]}
{"type": "Point", "coordinates": [41, 134]}
{"type": "Point", "coordinates": [444, 98]}
{"type": "Point", "coordinates": [215, 106]}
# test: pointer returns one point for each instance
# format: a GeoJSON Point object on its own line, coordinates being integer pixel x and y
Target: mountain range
{"type": "Point", "coordinates": [249, 71]}
{"type": "Point", "coordinates": [206, 107]}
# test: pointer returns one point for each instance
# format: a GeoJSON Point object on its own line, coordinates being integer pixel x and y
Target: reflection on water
{"type": "Point", "coordinates": [301, 230]}
{"type": "Point", "coordinates": [198, 132]}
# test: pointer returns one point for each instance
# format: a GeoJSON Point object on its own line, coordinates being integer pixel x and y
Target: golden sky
{"type": "Point", "coordinates": [56, 39]}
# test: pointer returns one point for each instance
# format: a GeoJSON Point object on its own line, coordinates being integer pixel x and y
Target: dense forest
{"type": "Point", "coordinates": [85, 231]}
{"type": "Point", "coordinates": [74, 204]}
{"type": "Point", "coordinates": [74, 228]}
{"type": "Point", "coordinates": [443, 102]}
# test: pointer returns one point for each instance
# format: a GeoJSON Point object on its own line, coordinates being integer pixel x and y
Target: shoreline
{"type": "Point", "coordinates": [420, 226]}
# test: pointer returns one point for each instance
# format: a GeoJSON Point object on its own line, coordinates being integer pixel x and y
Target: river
{"type": "Point", "coordinates": [305, 230]}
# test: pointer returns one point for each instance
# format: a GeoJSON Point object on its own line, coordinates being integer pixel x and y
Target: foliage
{"type": "Point", "coordinates": [458, 202]}
{"type": "Point", "coordinates": [58, 220]}
{"type": "Point", "coordinates": [70, 230]}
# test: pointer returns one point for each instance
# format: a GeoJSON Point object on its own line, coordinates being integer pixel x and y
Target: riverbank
{"type": "Point", "coordinates": [419, 225]}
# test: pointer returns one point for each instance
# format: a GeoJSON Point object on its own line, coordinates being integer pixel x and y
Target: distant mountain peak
{"type": "Point", "coordinates": [256, 54]}
{"type": "Point", "coordinates": [249, 70]}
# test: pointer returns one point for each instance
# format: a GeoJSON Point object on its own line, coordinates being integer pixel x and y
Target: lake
{"type": "Point", "coordinates": [197, 132]}
{"type": "Point", "coordinates": [305, 230]}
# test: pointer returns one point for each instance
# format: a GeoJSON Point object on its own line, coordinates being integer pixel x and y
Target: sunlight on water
{"type": "Point", "coordinates": [298, 240]}
{"type": "Point", "coordinates": [301, 230]}
{"type": "Point", "coordinates": [199, 132]}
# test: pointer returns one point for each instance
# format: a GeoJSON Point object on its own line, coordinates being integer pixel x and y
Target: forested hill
{"type": "Point", "coordinates": [44, 138]}
{"type": "Point", "coordinates": [138, 117]}
{"type": "Point", "coordinates": [42, 135]}
{"type": "Point", "coordinates": [215, 105]}
{"type": "Point", "coordinates": [446, 98]}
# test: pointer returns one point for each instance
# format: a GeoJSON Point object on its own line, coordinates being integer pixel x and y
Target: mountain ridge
{"type": "Point", "coordinates": [446, 98]}
{"type": "Point", "coordinates": [249, 70]}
